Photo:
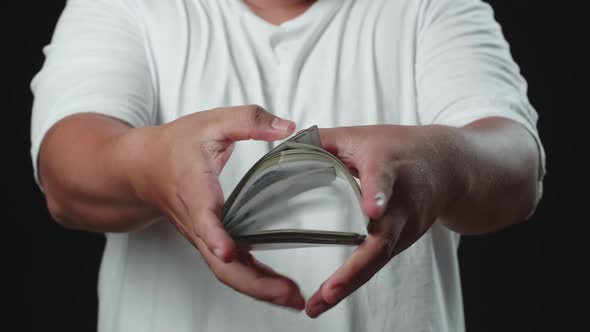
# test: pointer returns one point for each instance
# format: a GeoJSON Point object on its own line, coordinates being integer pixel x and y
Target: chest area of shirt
{"type": "Point", "coordinates": [350, 70]}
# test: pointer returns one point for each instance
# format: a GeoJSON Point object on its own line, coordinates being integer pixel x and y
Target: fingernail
{"type": "Point", "coordinates": [280, 124]}
{"type": "Point", "coordinates": [380, 199]}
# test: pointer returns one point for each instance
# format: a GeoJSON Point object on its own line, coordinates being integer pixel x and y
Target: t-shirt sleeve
{"type": "Point", "coordinates": [464, 69]}
{"type": "Point", "coordinates": [96, 62]}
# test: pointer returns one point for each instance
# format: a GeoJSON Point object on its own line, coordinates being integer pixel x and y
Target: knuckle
{"type": "Point", "coordinates": [255, 107]}
{"type": "Point", "coordinates": [253, 117]}
{"type": "Point", "coordinates": [255, 114]}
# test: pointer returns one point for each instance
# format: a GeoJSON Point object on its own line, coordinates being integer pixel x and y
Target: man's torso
{"type": "Point", "coordinates": [340, 63]}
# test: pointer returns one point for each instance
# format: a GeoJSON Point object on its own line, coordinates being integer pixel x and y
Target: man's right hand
{"type": "Point", "coordinates": [180, 177]}
{"type": "Point", "coordinates": [174, 169]}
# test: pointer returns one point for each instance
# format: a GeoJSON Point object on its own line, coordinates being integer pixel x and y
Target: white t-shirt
{"type": "Point", "coordinates": [340, 63]}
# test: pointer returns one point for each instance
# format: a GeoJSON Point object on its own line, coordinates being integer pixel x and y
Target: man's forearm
{"type": "Point", "coordinates": [498, 163]}
{"type": "Point", "coordinates": [84, 166]}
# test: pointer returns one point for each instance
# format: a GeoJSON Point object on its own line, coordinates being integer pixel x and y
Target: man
{"type": "Point", "coordinates": [140, 104]}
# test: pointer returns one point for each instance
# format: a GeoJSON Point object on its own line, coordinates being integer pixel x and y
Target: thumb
{"type": "Point", "coordinates": [377, 178]}
{"type": "Point", "coordinates": [253, 122]}
{"type": "Point", "coordinates": [377, 183]}
{"type": "Point", "coordinates": [336, 140]}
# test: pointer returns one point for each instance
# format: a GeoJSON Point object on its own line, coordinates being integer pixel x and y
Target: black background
{"type": "Point", "coordinates": [529, 277]}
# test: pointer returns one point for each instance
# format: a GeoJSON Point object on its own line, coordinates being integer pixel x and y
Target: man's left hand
{"type": "Point", "coordinates": [409, 176]}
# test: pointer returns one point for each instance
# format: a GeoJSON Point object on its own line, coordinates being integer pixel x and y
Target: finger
{"type": "Point", "coordinates": [219, 242]}
{"type": "Point", "coordinates": [377, 249]}
{"type": "Point", "coordinates": [336, 140]}
{"type": "Point", "coordinates": [377, 181]}
{"type": "Point", "coordinates": [316, 305]}
{"type": "Point", "coordinates": [250, 277]}
{"type": "Point", "coordinates": [201, 200]}
{"type": "Point", "coordinates": [365, 261]}
{"type": "Point", "coordinates": [252, 122]}
{"type": "Point", "coordinates": [376, 174]}
{"type": "Point", "coordinates": [342, 143]}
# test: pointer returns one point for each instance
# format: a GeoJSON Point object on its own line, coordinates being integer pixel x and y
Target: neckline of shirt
{"type": "Point", "coordinates": [319, 11]}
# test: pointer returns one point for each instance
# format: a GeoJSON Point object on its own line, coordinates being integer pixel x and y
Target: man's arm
{"type": "Point", "coordinates": [475, 179]}
{"type": "Point", "coordinates": [473, 162]}
{"type": "Point", "coordinates": [498, 166]}
{"type": "Point", "coordinates": [105, 166]}
{"type": "Point", "coordinates": [101, 175]}
{"type": "Point", "coordinates": [86, 163]}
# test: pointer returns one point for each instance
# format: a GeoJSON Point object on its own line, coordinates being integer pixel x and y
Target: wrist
{"type": "Point", "coordinates": [454, 172]}
{"type": "Point", "coordinates": [134, 159]}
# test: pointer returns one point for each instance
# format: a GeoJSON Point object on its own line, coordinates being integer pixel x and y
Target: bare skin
{"type": "Point", "coordinates": [101, 175]}
{"type": "Point", "coordinates": [475, 179]}
{"type": "Point", "coordinates": [277, 12]}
